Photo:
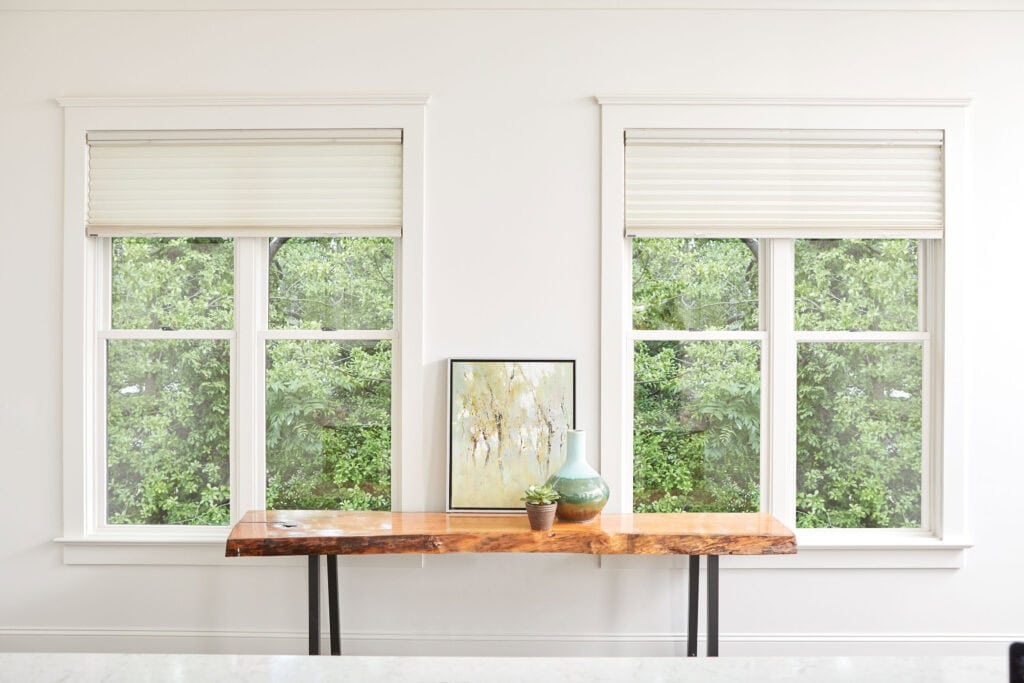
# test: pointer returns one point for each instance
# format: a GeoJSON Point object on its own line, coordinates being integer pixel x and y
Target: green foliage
{"type": "Point", "coordinates": [859, 435]}
{"type": "Point", "coordinates": [858, 404]}
{"type": "Point", "coordinates": [694, 284]}
{"type": "Point", "coordinates": [856, 284]}
{"type": "Point", "coordinates": [696, 430]}
{"type": "Point", "coordinates": [696, 403]}
{"type": "Point", "coordinates": [181, 284]}
{"type": "Point", "coordinates": [540, 495]}
{"type": "Point", "coordinates": [697, 408]}
{"type": "Point", "coordinates": [168, 401]}
{"type": "Point", "coordinates": [332, 283]}
{"type": "Point", "coordinates": [328, 425]}
{"type": "Point", "coordinates": [696, 426]}
{"type": "Point", "coordinates": [328, 403]}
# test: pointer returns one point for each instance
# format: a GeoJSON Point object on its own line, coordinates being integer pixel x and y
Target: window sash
{"type": "Point", "coordinates": [247, 413]}
{"type": "Point", "coordinates": [780, 341]}
{"type": "Point", "coordinates": [928, 411]}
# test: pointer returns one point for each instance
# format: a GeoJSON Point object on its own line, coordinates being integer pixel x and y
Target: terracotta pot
{"type": "Point", "coordinates": [541, 516]}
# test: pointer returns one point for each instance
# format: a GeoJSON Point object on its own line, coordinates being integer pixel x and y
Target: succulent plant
{"type": "Point", "coordinates": [539, 495]}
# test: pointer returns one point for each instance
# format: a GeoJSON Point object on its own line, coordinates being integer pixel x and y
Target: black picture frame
{"type": "Point", "coordinates": [533, 424]}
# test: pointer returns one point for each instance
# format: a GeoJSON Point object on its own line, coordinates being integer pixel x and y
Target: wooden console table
{"type": "Point", "coordinates": [314, 533]}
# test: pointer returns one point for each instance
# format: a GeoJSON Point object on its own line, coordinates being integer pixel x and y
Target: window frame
{"type": "Point", "coordinates": [103, 332]}
{"type": "Point", "coordinates": [264, 333]}
{"type": "Point", "coordinates": [944, 481]}
{"type": "Point", "coordinates": [761, 336]}
{"type": "Point", "coordinates": [87, 538]}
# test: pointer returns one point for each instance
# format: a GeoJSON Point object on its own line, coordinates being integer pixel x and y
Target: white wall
{"type": "Point", "coordinates": [513, 196]}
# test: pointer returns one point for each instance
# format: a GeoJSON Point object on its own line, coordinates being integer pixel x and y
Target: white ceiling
{"type": "Point", "coordinates": [476, 5]}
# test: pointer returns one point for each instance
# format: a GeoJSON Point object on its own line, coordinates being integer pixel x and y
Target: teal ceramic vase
{"type": "Point", "coordinates": [581, 490]}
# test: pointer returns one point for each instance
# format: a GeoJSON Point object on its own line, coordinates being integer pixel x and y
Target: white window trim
{"type": "Point", "coordinates": [84, 539]}
{"type": "Point", "coordinates": [942, 545]}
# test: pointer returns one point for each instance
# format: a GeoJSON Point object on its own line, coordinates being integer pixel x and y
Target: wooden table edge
{"type": "Point", "coordinates": [563, 538]}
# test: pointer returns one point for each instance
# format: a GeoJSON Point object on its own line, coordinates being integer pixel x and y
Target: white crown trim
{"type": "Point", "coordinates": [247, 101]}
{"type": "Point", "coordinates": [702, 100]}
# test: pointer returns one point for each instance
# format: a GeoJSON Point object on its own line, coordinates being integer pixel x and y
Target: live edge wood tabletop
{"type": "Point", "coordinates": [332, 532]}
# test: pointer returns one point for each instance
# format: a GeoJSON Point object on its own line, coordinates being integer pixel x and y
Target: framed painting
{"type": "Point", "coordinates": [507, 427]}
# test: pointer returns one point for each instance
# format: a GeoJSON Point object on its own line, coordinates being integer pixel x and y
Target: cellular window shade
{"type": "Point", "coordinates": [245, 183]}
{"type": "Point", "coordinates": [784, 183]}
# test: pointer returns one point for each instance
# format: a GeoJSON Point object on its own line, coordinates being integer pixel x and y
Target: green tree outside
{"type": "Point", "coordinates": [696, 425]}
{"type": "Point", "coordinates": [328, 403]}
{"type": "Point", "coordinates": [697, 404]}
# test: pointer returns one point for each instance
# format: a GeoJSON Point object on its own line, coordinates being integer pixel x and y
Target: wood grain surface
{"type": "Point", "coordinates": [313, 532]}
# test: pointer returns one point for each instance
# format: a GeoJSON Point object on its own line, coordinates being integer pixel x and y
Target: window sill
{"type": "Point", "coordinates": [816, 549]}
{"type": "Point", "coordinates": [833, 549]}
{"type": "Point", "coordinates": [205, 548]}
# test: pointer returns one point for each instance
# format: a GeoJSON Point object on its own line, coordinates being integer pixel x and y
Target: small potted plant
{"type": "Point", "coordinates": [540, 506]}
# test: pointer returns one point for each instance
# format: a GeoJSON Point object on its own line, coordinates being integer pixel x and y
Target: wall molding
{"type": "Point", "coordinates": [711, 100]}
{"type": "Point", "coordinates": [366, 99]}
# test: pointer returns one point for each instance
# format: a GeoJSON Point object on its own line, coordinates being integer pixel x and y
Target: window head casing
{"type": "Point", "coordinates": [167, 138]}
{"type": "Point", "coordinates": [694, 170]}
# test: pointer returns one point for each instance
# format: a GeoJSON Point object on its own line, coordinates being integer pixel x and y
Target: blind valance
{"type": "Point", "coordinates": [245, 183]}
{"type": "Point", "coordinates": [784, 183]}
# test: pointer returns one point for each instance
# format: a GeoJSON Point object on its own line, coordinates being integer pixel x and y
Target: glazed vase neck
{"type": "Point", "coordinates": [576, 466]}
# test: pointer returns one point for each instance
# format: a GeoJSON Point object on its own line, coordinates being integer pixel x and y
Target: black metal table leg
{"type": "Point", "coordinates": [712, 605]}
{"type": "Point", "coordinates": [314, 604]}
{"type": "Point", "coordinates": [332, 603]}
{"type": "Point", "coordinates": [692, 606]}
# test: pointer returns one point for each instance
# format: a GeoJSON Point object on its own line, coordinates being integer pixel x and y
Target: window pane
{"type": "Point", "coordinates": [859, 435]}
{"type": "Point", "coordinates": [695, 284]}
{"type": "Point", "coordinates": [168, 442]}
{"type": "Point", "coordinates": [696, 426]}
{"type": "Point", "coordinates": [337, 283]}
{"type": "Point", "coordinates": [181, 284]}
{"type": "Point", "coordinates": [328, 425]}
{"type": "Point", "coordinates": [856, 285]}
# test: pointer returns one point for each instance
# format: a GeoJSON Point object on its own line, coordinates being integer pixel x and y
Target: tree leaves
{"type": "Point", "coordinates": [328, 403]}
{"type": "Point", "coordinates": [696, 431]}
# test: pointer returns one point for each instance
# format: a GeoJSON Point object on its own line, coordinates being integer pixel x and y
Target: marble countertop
{"type": "Point", "coordinates": [139, 668]}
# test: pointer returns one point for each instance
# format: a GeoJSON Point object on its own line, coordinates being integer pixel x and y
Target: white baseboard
{"type": "Point", "coordinates": [508, 644]}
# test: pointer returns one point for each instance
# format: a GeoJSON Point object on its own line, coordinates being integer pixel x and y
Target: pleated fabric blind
{"type": "Point", "coordinates": [245, 183]}
{"type": "Point", "coordinates": [784, 183]}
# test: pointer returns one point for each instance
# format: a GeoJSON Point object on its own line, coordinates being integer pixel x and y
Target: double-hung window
{"type": "Point", "coordinates": [775, 315]}
{"type": "Point", "coordinates": [243, 340]}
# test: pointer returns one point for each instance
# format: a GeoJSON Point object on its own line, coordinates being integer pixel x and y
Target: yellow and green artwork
{"type": "Point", "coordinates": [508, 421]}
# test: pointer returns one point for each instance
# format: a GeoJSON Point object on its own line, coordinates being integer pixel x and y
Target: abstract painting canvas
{"type": "Point", "coordinates": [507, 427]}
